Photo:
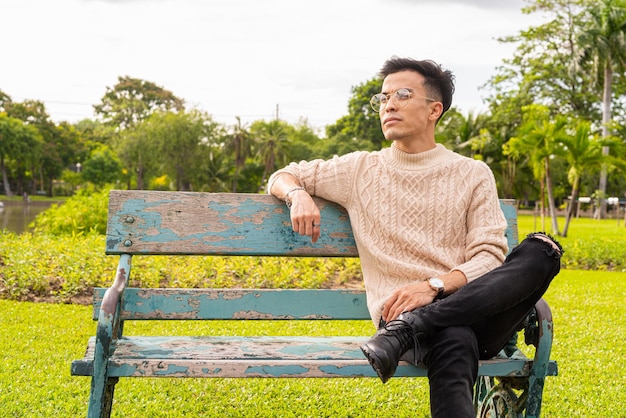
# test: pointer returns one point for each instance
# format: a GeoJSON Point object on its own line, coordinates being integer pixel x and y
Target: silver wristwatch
{"type": "Point", "coordinates": [437, 284]}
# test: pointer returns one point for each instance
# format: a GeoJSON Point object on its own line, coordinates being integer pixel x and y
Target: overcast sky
{"type": "Point", "coordinates": [245, 57]}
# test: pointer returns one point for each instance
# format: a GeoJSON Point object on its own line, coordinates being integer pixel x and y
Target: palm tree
{"type": "Point", "coordinates": [472, 137]}
{"type": "Point", "coordinates": [239, 144]}
{"type": "Point", "coordinates": [603, 42]}
{"type": "Point", "coordinates": [271, 139]}
{"type": "Point", "coordinates": [538, 140]}
{"type": "Point", "coordinates": [583, 152]}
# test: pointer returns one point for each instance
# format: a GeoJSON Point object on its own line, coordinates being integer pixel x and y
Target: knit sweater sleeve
{"type": "Point", "coordinates": [486, 244]}
{"type": "Point", "coordinates": [329, 179]}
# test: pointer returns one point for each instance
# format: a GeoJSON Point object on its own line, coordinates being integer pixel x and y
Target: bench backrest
{"type": "Point", "coordinates": [189, 223]}
{"type": "Point", "coordinates": [180, 223]}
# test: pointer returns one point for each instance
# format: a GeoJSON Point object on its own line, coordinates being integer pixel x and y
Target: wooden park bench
{"type": "Point", "coordinates": [228, 224]}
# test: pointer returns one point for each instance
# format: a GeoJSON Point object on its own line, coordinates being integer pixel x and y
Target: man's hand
{"type": "Point", "coordinates": [408, 298]}
{"type": "Point", "coordinates": [305, 215]}
{"type": "Point", "coordinates": [420, 294]}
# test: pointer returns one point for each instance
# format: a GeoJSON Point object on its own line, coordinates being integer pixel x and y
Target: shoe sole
{"type": "Point", "coordinates": [374, 362]}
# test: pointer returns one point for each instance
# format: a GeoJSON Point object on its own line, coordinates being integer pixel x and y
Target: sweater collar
{"type": "Point", "coordinates": [420, 161]}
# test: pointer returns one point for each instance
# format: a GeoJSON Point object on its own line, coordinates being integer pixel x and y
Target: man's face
{"type": "Point", "coordinates": [405, 120]}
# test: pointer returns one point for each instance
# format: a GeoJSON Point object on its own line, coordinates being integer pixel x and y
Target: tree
{"type": "Point", "coordinates": [62, 144]}
{"type": "Point", "coordinates": [545, 68]}
{"type": "Point", "coordinates": [214, 174]}
{"type": "Point", "coordinates": [170, 145]}
{"type": "Point", "coordinates": [20, 143]}
{"type": "Point", "coordinates": [271, 145]}
{"type": "Point", "coordinates": [583, 152]}
{"type": "Point", "coordinates": [71, 146]}
{"type": "Point", "coordinates": [603, 42]}
{"type": "Point", "coordinates": [34, 113]}
{"type": "Point", "coordinates": [132, 100]}
{"type": "Point", "coordinates": [305, 144]}
{"type": "Point", "coordinates": [138, 154]}
{"type": "Point", "coordinates": [5, 101]}
{"type": "Point", "coordinates": [102, 167]}
{"type": "Point", "coordinates": [467, 135]}
{"type": "Point", "coordinates": [239, 144]}
{"type": "Point", "coordinates": [95, 131]}
{"type": "Point", "coordinates": [505, 116]}
{"type": "Point", "coordinates": [178, 138]}
{"type": "Point", "coordinates": [538, 141]}
{"type": "Point", "coordinates": [360, 128]}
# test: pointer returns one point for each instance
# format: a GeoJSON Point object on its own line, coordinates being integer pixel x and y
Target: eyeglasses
{"type": "Point", "coordinates": [400, 98]}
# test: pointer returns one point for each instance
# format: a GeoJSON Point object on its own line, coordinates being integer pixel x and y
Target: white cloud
{"type": "Point", "coordinates": [243, 57]}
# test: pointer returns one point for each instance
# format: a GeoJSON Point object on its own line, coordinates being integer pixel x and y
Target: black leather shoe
{"type": "Point", "coordinates": [387, 346]}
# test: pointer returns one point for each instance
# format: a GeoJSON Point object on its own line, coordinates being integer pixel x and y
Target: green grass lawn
{"type": "Point", "coordinates": [39, 341]}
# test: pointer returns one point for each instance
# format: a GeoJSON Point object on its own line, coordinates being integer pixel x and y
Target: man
{"type": "Point", "coordinates": [430, 235]}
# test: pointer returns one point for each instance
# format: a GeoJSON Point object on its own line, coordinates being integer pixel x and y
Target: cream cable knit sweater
{"type": "Point", "coordinates": [414, 216]}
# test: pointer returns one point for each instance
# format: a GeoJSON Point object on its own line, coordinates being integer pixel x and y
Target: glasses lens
{"type": "Point", "coordinates": [400, 98]}
{"type": "Point", "coordinates": [402, 95]}
{"type": "Point", "coordinates": [377, 101]}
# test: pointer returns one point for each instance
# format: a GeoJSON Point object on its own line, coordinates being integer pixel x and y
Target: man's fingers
{"type": "Point", "coordinates": [311, 228]}
{"type": "Point", "coordinates": [317, 230]}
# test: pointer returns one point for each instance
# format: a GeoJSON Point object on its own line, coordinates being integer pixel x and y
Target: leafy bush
{"type": "Point", "coordinates": [592, 244]}
{"type": "Point", "coordinates": [65, 268]}
{"type": "Point", "coordinates": [60, 268]}
{"type": "Point", "coordinates": [64, 259]}
{"type": "Point", "coordinates": [83, 213]}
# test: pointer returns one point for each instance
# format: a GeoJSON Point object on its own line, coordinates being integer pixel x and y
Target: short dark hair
{"type": "Point", "coordinates": [438, 82]}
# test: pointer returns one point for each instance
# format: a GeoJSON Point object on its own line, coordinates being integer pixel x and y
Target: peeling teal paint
{"type": "Point", "coordinates": [277, 371]}
{"type": "Point", "coordinates": [216, 370]}
{"type": "Point", "coordinates": [240, 304]}
{"type": "Point", "coordinates": [171, 370]}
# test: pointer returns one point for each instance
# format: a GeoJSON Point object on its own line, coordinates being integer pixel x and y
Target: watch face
{"type": "Point", "coordinates": [436, 283]}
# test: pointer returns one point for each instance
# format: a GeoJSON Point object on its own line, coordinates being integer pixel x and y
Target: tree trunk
{"type": "Point", "coordinates": [551, 204]}
{"type": "Point", "coordinates": [572, 207]}
{"type": "Point", "coordinates": [606, 118]}
{"type": "Point", "coordinates": [542, 201]}
{"type": "Point", "coordinates": [5, 179]}
{"type": "Point", "coordinates": [140, 177]}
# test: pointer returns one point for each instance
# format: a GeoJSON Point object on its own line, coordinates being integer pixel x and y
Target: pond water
{"type": "Point", "coordinates": [15, 216]}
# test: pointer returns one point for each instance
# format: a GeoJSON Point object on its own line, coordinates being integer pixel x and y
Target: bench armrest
{"type": "Point", "coordinates": [109, 326]}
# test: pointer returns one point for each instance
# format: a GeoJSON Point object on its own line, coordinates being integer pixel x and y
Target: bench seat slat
{"type": "Point", "coordinates": [259, 357]}
{"type": "Point", "coordinates": [192, 304]}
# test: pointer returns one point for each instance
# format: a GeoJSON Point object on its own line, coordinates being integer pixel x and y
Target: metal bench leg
{"type": "Point", "coordinates": [101, 398]}
{"type": "Point", "coordinates": [496, 399]}
{"type": "Point", "coordinates": [540, 362]}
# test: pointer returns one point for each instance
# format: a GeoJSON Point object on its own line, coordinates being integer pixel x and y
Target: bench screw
{"type": "Point", "coordinates": [128, 243]}
{"type": "Point", "coordinates": [130, 219]}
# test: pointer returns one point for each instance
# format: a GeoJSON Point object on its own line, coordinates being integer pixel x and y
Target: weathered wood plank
{"type": "Point", "coordinates": [191, 304]}
{"type": "Point", "coordinates": [151, 222]}
{"type": "Point", "coordinates": [259, 357]}
{"type": "Point", "coordinates": [142, 222]}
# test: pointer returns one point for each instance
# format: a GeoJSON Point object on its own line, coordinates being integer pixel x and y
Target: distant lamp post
{"type": "Point", "coordinates": [78, 167]}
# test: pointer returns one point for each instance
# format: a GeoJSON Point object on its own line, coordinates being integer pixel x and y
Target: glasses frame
{"type": "Point", "coordinates": [377, 105]}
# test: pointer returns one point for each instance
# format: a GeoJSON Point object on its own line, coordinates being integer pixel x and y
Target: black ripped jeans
{"type": "Point", "coordinates": [478, 320]}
